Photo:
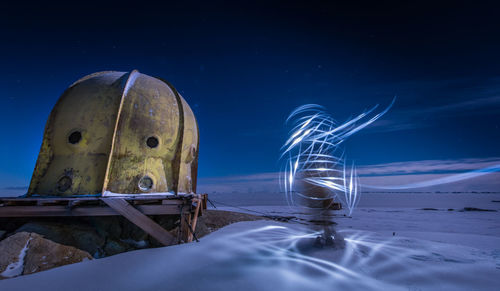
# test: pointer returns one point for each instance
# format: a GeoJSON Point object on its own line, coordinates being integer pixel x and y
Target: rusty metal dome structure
{"type": "Point", "coordinates": [118, 133]}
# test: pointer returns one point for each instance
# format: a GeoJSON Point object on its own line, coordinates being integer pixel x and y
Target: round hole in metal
{"type": "Point", "coordinates": [152, 142]}
{"type": "Point", "coordinates": [64, 184]}
{"type": "Point", "coordinates": [75, 137]}
{"type": "Point", "coordinates": [145, 183]}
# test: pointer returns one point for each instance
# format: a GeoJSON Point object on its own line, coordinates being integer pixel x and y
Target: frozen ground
{"type": "Point", "coordinates": [391, 244]}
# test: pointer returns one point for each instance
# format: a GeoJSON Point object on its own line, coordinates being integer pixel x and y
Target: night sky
{"type": "Point", "coordinates": [243, 67]}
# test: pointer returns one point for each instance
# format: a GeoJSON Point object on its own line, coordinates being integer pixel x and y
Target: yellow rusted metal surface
{"type": "Point", "coordinates": [189, 151]}
{"type": "Point", "coordinates": [117, 132]}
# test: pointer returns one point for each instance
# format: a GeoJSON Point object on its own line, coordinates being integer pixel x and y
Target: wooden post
{"type": "Point", "coordinates": [195, 219]}
{"type": "Point", "coordinates": [185, 218]}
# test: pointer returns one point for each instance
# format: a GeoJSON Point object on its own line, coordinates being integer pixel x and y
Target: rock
{"type": "Point", "coordinates": [212, 220]}
{"type": "Point", "coordinates": [114, 247]}
{"type": "Point", "coordinates": [107, 236]}
{"type": "Point", "coordinates": [132, 232]}
{"type": "Point", "coordinates": [477, 209]}
{"type": "Point", "coordinates": [2, 233]}
{"type": "Point", "coordinates": [78, 235]}
{"type": "Point", "coordinates": [136, 244]}
{"type": "Point", "coordinates": [44, 254]}
{"type": "Point", "coordinates": [106, 226]}
{"type": "Point", "coordinates": [13, 250]}
{"type": "Point", "coordinates": [10, 224]}
{"type": "Point", "coordinates": [99, 236]}
{"type": "Point", "coordinates": [27, 253]}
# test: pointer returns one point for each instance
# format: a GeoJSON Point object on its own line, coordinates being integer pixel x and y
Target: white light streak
{"type": "Point", "coordinates": [441, 181]}
{"type": "Point", "coordinates": [314, 150]}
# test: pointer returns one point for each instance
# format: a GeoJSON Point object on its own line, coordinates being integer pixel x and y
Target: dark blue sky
{"type": "Point", "coordinates": [243, 67]}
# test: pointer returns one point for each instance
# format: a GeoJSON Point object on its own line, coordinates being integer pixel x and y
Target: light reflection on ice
{"type": "Point", "coordinates": [264, 255]}
{"type": "Point", "coordinates": [367, 261]}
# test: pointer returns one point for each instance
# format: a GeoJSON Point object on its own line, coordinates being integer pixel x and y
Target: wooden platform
{"type": "Point", "coordinates": [134, 208]}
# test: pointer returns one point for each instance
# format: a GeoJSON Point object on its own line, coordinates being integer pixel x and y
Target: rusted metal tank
{"type": "Point", "coordinates": [309, 195]}
{"type": "Point", "coordinates": [118, 133]}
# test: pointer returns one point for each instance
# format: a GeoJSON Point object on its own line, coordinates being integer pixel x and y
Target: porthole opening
{"type": "Point", "coordinates": [64, 184]}
{"type": "Point", "coordinates": [145, 184]}
{"type": "Point", "coordinates": [152, 142]}
{"type": "Point", "coordinates": [75, 137]}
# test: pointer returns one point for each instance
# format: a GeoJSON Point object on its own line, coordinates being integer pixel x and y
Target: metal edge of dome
{"type": "Point", "coordinates": [128, 81]}
{"type": "Point", "coordinates": [94, 75]}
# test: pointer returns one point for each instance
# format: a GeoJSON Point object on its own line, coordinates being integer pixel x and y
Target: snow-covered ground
{"type": "Point", "coordinates": [389, 246]}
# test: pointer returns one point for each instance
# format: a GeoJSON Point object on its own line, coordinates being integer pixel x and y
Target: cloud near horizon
{"type": "Point", "coordinates": [389, 174]}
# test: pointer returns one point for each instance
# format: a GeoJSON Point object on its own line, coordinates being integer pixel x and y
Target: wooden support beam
{"type": "Point", "coordinates": [132, 197]}
{"type": "Point", "coordinates": [109, 206]}
{"type": "Point", "coordinates": [195, 219]}
{"type": "Point", "coordinates": [184, 227]}
{"type": "Point", "coordinates": [204, 199]}
{"type": "Point", "coordinates": [145, 223]}
{"type": "Point", "coordinates": [77, 210]}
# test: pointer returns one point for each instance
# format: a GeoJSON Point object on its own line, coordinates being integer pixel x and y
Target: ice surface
{"type": "Point", "coordinates": [395, 247]}
{"type": "Point", "coordinates": [112, 194]}
{"type": "Point", "coordinates": [404, 200]}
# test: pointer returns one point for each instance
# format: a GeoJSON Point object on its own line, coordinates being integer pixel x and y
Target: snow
{"type": "Point", "coordinates": [16, 268]}
{"type": "Point", "coordinates": [137, 243]}
{"type": "Point", "coordinates": [395, 247]}
{"type": "Point", "coordinates": [159, 194]}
